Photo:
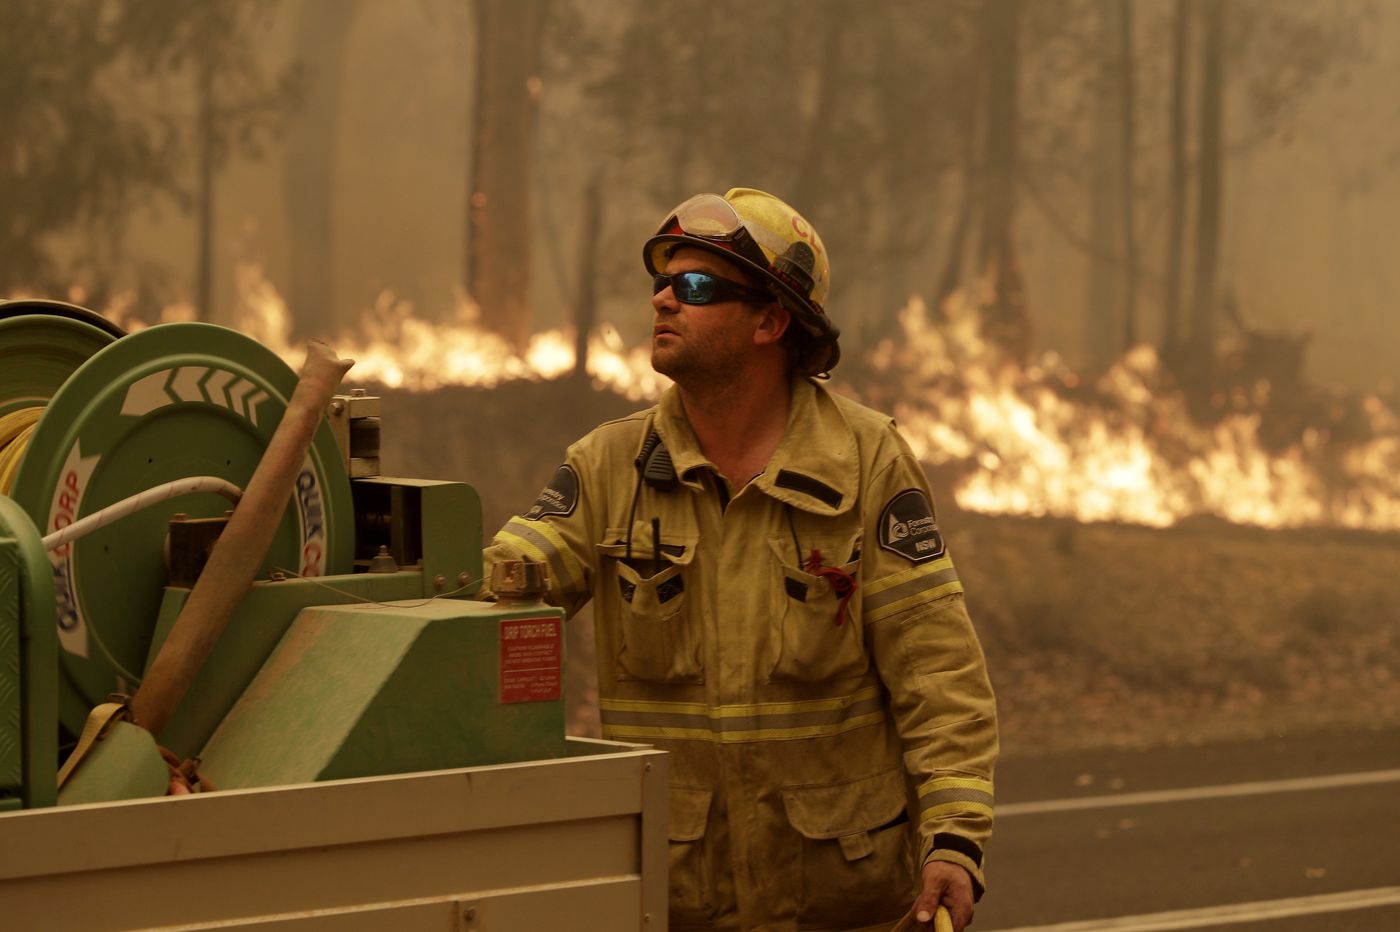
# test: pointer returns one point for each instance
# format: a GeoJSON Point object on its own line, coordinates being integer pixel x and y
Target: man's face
{"type": "Point", "coordinates": [709, 340]}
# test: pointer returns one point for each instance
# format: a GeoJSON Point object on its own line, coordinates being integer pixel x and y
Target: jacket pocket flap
{"type": "Point", "coordinates": [838, 809]}
{"type": "Point", "coordinates": [690, 807]}
{"type": "Point", "coordinates": [677, 549]}
{"type": "Point", "coordinates": [840, 549]}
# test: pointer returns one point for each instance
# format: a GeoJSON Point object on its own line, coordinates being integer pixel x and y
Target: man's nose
{"type": "Point", "coordinates": [664, 301]}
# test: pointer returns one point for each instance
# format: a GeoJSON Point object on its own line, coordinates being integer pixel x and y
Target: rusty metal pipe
{"type": "Point", "coordinates": [243, 545]}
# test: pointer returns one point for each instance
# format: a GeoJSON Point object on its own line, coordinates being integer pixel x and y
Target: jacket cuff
{"type": "Point", "coordinates": [964, 852]}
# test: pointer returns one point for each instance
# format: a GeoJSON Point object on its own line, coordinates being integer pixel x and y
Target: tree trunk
{"type": "Point", "coordinates": [1176, 186]}
{"type": "Point", "coordinates": [1105, 258]}
{"type": "Point", "coordinates": [498, 213]}
{"type": "Point", "coordinates": [895, 289]}
{"type": "Point", "coordinates": [810, 155]}
{"type": "Point", "coordinates": [950, 277]}
{"type": "Point", "coordinates": [1113, 286]}
{"type": "Point", "coordinates": [204, 209]}
{"type": "Point", "coordinates": [1126, 85]}
{"type": "Point", "coordinates": [1007, 322]}
{"type": "Point", "coordinates": [322, 30]}
{"type": "Point", "coordinates": [586, 301]}
{"type": "Point", "coordinates": [1204, 298]}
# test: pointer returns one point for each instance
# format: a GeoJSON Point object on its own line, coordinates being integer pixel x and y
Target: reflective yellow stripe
{"type": "Point", "coordinates": [918, 598]}
{"type": "Point", "coordinates": [749, 724]}
{"type": "Point", "coordinates": [542, 543]}
{"type": "Point", "coordinates": [741, 710]}
{"type": "Point", "coordinates": [947, 810]}
{"type": "Point", "coordinates": [642, 705]}
{"type": "Point", "coordinates": [958, 792]}
{"type": "Point", "coordinates": [799, 705]}
{"type": "Point", "coordinates": [742, 737]}
{"type": "Point", "coordinates": [954, 783]}
{"type": "Point", "coordinates": [892, 594]}
{"type": "Point", "coordinates": [763, 721]}
{"type": "Point", "coordinates": [900, 578]}
{"type": "Point", "coordinates": [553, 540]}
{"type": "Point", "coordinates": [536, 554]}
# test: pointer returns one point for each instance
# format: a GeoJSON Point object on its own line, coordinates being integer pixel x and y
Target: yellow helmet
{"type": "Point", "coordinates": [763, 235]}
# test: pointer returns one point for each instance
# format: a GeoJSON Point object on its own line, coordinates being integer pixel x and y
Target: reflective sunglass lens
{"type": "Point", "coordinates": [690, 287]}
{"type": "Point", "coordinates": [695, 287]}
{"type": "Point", "coordinates": [704, 288]}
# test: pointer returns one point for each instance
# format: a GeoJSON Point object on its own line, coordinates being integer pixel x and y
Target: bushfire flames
{"type": "Point", "coordinates": [392, 347]}
{"type": "Point", "coordinates": [1024, 440]}
{"type": "Point", "coordinates": [1037, 443]}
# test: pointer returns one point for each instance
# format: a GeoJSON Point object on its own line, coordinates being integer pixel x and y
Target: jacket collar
{"type": "Point", "coordinates": [815, 468]}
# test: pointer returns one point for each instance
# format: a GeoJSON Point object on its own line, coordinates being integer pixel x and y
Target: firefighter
{"type": "Point", "coordinates": [774, 602]}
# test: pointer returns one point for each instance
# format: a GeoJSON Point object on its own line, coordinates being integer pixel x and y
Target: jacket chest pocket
{"type": "Point", "coordinates": [657, 639]}
{"type": "Point", "coordinates": [815, 629]}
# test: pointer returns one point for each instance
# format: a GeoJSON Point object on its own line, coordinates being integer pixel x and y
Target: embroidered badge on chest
{"type": "Point", "coordinates": [560, 497]}
{"type": "Point", "coordinates": [908, 528]}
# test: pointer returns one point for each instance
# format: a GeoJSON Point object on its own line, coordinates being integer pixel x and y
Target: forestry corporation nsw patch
{"type": "Point", "coordinates": [908, 528]}
{"type": "Point", "coordinates": [560, 497]}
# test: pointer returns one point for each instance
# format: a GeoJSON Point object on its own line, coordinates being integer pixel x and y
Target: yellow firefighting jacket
{"type": "Point", "coordinates": [800, 648]}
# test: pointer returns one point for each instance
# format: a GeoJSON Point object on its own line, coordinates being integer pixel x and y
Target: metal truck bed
{"type": "Point", "coordinates": [576, 842]}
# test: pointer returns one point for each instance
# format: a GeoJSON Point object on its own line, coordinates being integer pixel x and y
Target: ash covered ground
{"type": "Point", "coordinates": [1097, 635]}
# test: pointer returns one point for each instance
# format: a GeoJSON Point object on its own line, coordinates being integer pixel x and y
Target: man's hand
{"type": "Point", "coordinates": [948, 884]}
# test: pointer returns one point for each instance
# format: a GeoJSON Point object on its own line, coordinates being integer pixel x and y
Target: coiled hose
{"type": "Point", "coordinates": [15, 430]}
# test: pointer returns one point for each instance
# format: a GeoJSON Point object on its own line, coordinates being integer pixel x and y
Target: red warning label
{"type": "Point", "coordinates": [532, 659]}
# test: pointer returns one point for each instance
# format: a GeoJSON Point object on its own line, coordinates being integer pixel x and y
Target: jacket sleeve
{"type": "Point", "coordinates": [556, 531]}
{"type": "Point", "coordinates": [927, 653]}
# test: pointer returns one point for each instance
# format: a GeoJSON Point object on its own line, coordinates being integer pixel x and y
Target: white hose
{"type": "Point", "coordinates": [139, 501]}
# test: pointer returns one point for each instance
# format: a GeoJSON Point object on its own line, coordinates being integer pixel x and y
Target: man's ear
{"type": "Point", "coordinates": [773, 321]}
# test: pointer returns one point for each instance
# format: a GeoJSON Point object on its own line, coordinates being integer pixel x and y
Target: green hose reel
{"type": "Point", "coordinates": [123, 415]}
{"type": "Point", "coordinates": [42, 343]}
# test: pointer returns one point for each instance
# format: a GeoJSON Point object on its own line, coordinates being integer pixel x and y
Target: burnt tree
{"type": "Point", "coordinates": [322, 30]}
{"type": "Point", "coordinates": [508, 37]}
{"type": "Point", "coordinates": [1209, 191]}
{"type": "Point", "coordinates": [1007, 321]}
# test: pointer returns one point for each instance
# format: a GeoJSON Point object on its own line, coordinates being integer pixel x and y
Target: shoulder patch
{"type": "Point", "coordinates": [908, 528]}
{"type": "Point", "coordinates": [560, 497]}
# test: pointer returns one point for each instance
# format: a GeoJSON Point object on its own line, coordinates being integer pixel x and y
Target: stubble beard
{"type": "Point", "coordinates": [671, 361]}
{"type": "Point", "coordinates": [694, 367]}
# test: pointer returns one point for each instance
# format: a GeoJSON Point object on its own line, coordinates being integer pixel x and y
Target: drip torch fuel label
{"type": "Point", "coordinates": [63, 511]}
{"type": "Point", "coordinates": [532, 659]}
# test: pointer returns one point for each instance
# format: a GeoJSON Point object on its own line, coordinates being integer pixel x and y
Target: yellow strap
{"type": "Point", "coordinates": [97, 722]}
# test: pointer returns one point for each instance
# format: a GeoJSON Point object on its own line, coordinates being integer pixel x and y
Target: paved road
{"type": "Point", "coordinates": [1283, 834]}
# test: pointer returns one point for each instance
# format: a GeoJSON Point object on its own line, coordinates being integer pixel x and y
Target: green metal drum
{"type": "Point", "coordinates": [171, 401]}
{"type": "Point", "coordinates": [42, 343]}
{"type": "Point", "coordinates": [28, 665]}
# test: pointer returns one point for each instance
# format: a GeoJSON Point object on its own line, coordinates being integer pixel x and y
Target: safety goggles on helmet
{"type": "Point", "coordinates": [704, 288]}
{"type": "Point", "coordinates": [712, 218]}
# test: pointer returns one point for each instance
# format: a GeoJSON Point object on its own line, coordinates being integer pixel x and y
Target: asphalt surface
{"type": "Point", "coordinates": [1281, 834]}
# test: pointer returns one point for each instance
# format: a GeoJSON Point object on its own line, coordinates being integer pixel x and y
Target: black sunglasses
{"type": "Point", "coordinates": [704, 288]}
